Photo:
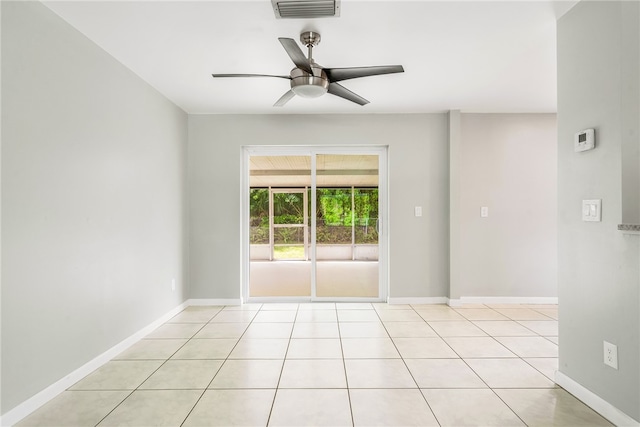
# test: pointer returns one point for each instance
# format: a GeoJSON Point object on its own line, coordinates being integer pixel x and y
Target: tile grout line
{"type": "Point", "coordinates": [379, 313]}
{"type": "Point", "coordinates": [463, 361]}
{"type": "Point", "coordinates": [221, 365]}
{"type": "Point", "coordinates": [510, 408]}
{"type": "Point", "coordinates": [284, 360]}
{"type": "Point", "coordinates": [344, 366]}
{"type": "Point", "coordinates": [510, 350]}
{"type": "Point", "coordinates": [491, 388]}
{"type": "Point", "coordinates": [476, 373]}
{"type": "Point", "coordinates": [407, 366]}
{"type": "Point", "coordinates": [158, 368]}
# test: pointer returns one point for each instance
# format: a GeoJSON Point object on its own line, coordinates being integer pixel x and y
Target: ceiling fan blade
{"type": "Point", "coordinates": [284, 99]}
{"type": "Point", "coordinates": [338, 74]}
{"type": "Point", "coordinates": [295, 53]}
{"type": "Point", "coordinates": [343, 92]}
{"type": "Point", "coordinates": [250, 75]}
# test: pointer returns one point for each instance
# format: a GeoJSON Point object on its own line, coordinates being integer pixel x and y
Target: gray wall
{"type": "Point", "coordinates": [93, 196]}
{"type": "Point", "coordinates": [418, 176]}
{"type": "Point", "coordinates": [506, 162]}
{"type": "Point", "coordinates": [598, 266]}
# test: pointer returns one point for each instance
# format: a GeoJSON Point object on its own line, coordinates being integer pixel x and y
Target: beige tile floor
{"type": "Point", "coordinates": [332, 364]}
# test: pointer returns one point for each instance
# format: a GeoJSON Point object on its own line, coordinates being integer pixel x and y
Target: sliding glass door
{"type": "Point", "coordinates": [278, 235]}
{"type": "Point", "coordinates": [313, 224]}
{"type": "Point", "coordinates": [346, 230]}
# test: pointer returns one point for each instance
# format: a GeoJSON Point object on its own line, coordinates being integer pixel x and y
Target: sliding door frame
{"type": "Point", "coordinates": [313, 151]}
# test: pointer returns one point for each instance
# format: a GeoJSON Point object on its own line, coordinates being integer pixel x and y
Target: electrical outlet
{"type": "Point", "coordinates": [611, 355]}
{"type": "Point", "coordinates": [173, 284]}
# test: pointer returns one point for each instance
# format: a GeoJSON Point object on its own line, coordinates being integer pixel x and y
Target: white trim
{"type": "Point", "coordinates": [35, 402]}
{"type": "Point", "coordinates": [308, 299]}
{"type": "Point", "coordinates": [216, 301]}
{"type": "Point", "coordinates": [384, 232]}
{"type": "Point", "coordinates": [313, 150]}
{"type": "Point", "coordinates": [594, 401]}
{"type": "Point", "coordinates": [454, 302]}
{"type": "Point", "coordinates": [314, 223]}
{"type": "Point", "coordinates": [504, 300]}
{"type": "Point", "coordinates": [418, 300]}
{"type": "Point", "coordinates": [277, 300]}
{"type": "Point", "coordinates": [347, 299]}
{"type": "Point", "coordinates": [245, 244]}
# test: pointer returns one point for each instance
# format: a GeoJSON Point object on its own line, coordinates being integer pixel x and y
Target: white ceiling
{"type": "Point", "coordinates": [475, 56]}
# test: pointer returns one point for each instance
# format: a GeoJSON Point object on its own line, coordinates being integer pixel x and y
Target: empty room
{"type": "Point", "coordinates": [320, 212]}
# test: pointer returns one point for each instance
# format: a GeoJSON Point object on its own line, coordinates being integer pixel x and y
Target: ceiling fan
{"type": "Point", "coordinates": [310, 80]}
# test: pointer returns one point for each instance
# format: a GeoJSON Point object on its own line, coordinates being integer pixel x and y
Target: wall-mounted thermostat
{"type": "Point", "coordinates": [584, 140]}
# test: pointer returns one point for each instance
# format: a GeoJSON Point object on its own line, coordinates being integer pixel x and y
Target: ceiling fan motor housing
{"type": "Point", "coordinates": [309, 85]}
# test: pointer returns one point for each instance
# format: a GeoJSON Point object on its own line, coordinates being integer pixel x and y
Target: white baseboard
{"type": "Point", "coordinates": [502, 300]}
{"type": "Point", "coordinates": [218, 301]}
{"type": "Point", "coordinates": [473, 300]}
{"type": "Point", "coordinates": [35, 402]}
{"type": "Point", "coordinates": [277, 300]}
{"type": "Point", "coordinates": [417, 300]}
{"type": "Point", "coordinates": [595, 402]}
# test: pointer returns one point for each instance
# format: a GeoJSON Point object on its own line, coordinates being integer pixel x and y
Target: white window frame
{"type": "Point", "coordinates": [313, 151]}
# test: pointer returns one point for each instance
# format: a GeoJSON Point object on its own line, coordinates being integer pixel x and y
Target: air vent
{"type": "Point", "coordinates": [305, 9]}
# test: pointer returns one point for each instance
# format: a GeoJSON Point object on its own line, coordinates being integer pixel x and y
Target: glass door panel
{"type": "Point", "coordinates": [313, 226]}
{"type": "Point", "coordinates": [259, 223]}
{"type": "Point", "coordinates": [346, 240]}
{"type": "Point", "coordinates": [279, 263]}
{"type": "Point", "coordinates": [366, 219]}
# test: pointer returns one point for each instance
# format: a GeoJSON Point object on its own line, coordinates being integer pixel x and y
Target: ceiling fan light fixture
{"type": "Point", "coordinates": [309, 91]}
{"type": "Point", "coordinates": [309, 87]}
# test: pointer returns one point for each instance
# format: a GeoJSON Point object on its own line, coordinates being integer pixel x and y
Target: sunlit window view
{"type": "Point", "coordinates": [346, 226]}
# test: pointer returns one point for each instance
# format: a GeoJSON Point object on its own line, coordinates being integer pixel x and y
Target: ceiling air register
{"type": "Point", "coordinates": [306, 9]}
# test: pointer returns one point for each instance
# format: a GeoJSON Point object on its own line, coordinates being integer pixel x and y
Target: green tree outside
{"type": "Point", "coordinates": [334, 213]}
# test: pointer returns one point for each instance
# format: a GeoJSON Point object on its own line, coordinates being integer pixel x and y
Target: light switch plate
{"type": "Point", "coordinates": [592, 210]}
{"type": "Point", "coordinates": [418, 211]}
{"type": "Point", "coordinates": [484, 211]}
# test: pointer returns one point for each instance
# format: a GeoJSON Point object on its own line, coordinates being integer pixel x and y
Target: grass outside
{"type": "Point", "coordinates": [288, 252]}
